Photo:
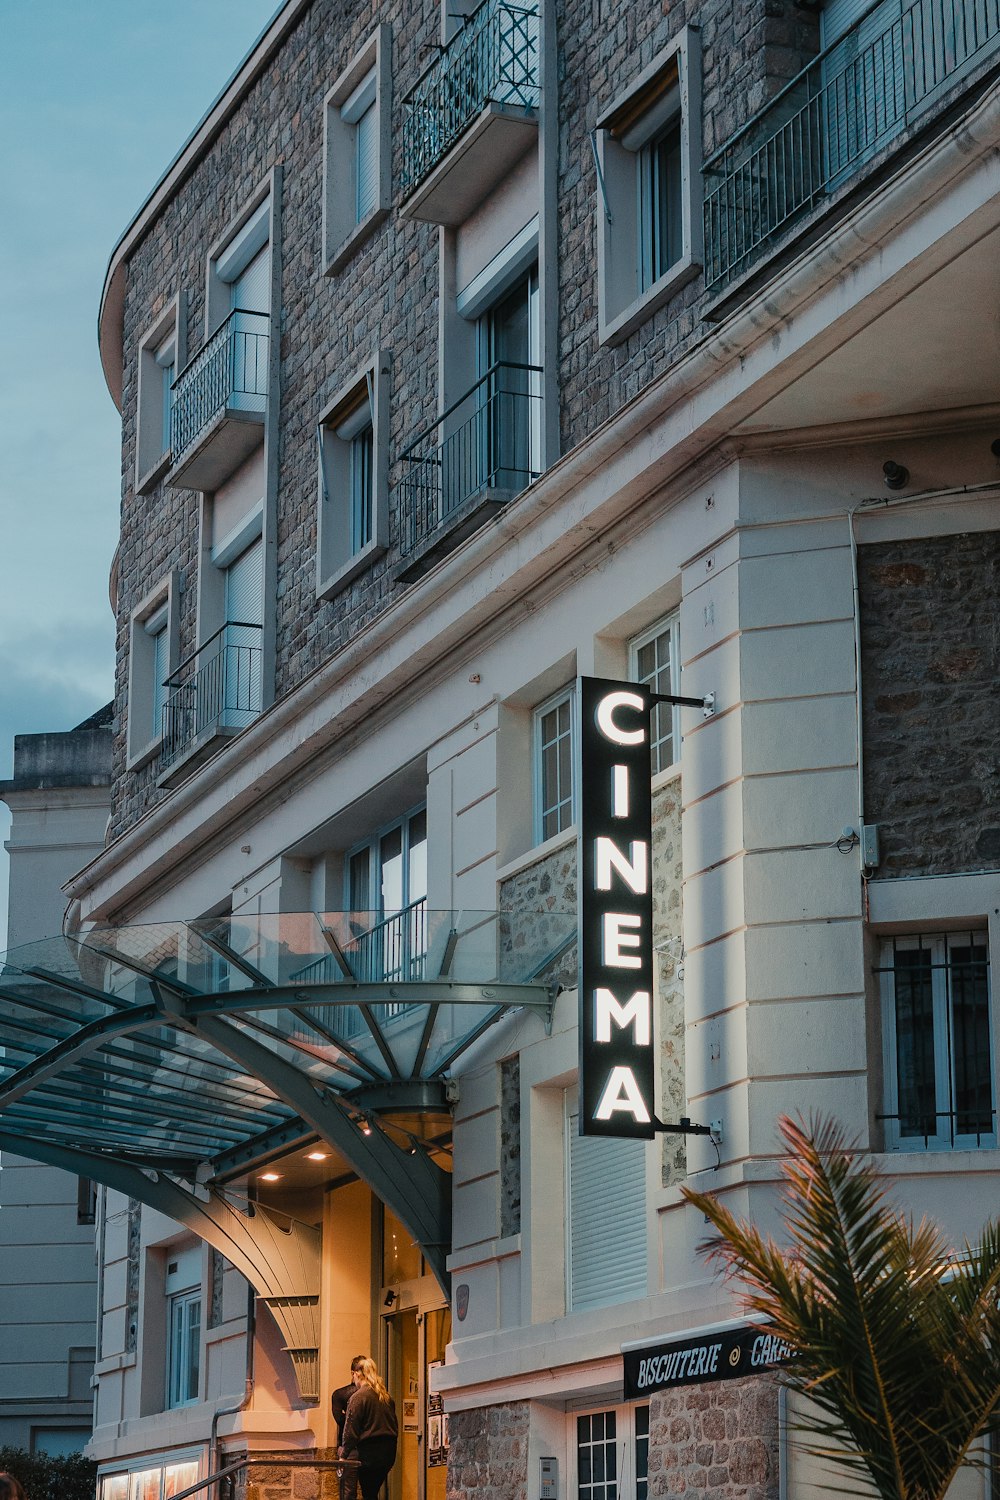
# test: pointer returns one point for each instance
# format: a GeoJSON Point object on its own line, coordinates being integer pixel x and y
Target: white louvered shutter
{"type": "Point", "coordinates": [366, 162]}
{"type": "Point", "coordinates": [863, 82]}
{"type": "Point", "coordinates": [607, 1219]}
{"type": "Point", "coordinates": [245, 586]}
{"type": "Point", "coordinates": [252, 287]}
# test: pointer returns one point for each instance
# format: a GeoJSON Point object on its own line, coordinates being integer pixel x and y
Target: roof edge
{"type": "Point", "coordinates": [109, 317]}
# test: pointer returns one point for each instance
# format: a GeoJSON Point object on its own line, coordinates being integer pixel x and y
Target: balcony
{"type": "Point", "coordinates": [461, 471]}
{"type": "Point", "coordinates": [218, 403]}
{"type": "Point", "coordinates": [214, 693]}
{"type": "Point", "coordinates": [842, 110]}
{"type": "Point", "coordinates": [472, 115]}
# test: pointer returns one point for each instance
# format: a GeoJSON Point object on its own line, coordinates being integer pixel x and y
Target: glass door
{"type": "Point", "coordinates": [416, 1343]}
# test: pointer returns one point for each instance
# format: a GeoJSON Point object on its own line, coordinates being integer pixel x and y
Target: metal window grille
{"type": "Point", "coordinates": [493, 59]}
{"type": "Point", "coordinates": [844, 107]}
{"type": "Point", "coordinates": [486, 442]}
{"type": "Point", "coordinates": [230, 371]}
{"type": "Point", "coordinates": [937, 1029]}
{"type": "Point", "coordinates": [217, 687]}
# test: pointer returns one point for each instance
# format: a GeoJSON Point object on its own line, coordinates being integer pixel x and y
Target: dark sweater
{"type": "Point", "coordinates": [368, 1417]}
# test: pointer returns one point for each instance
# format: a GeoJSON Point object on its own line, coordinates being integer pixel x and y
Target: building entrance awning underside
{"type": "Point", "coordinates": [200, 1049]}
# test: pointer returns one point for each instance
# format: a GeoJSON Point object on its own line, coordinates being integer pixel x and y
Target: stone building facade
{"type": "Point", "coordinates": [459, 358]}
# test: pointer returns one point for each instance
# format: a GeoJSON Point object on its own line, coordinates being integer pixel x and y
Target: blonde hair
{"type": "Point", "coordinates": [368, 1371]}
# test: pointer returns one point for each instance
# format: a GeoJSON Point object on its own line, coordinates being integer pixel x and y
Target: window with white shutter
{"type": "Point", "coordinates": [352, 439]}
{"type": "Point", "coordinates": [606, 1251]}
{"type": "Point", "coordinates": [152, 658]}
{"type": "Point", "coordinates": [356, 151]}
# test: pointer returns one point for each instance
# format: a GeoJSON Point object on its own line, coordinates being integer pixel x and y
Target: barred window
{"type": "Point", "coordinates": [937, 1042]}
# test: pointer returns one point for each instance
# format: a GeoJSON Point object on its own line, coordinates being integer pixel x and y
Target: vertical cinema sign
{"type": "Point", "coordinates": [616, 910]}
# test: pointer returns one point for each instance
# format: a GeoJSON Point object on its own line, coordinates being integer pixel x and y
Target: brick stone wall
{"type": "Point", "coordinates": [488, 1457]}
{"type": "Point", "coordinates": [749, 51]}
{"type": "Point", "coordinates": [386, 295]}
{"type": "Point", "coordinates": [715, 1442]}
{"type": "Point", "coordinates": [930, 662]}
{"type": "Point", "coordinates": [272, 1477]}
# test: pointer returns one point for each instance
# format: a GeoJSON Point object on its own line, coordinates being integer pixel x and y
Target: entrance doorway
{"type": "Point", "coordinates": [415, 1340]}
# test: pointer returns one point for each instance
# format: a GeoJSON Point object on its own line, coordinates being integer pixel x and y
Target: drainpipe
{"type": "Point", "coordinates": [865, 507]}
{"type": "Point", "coordinates": [235, 1407]}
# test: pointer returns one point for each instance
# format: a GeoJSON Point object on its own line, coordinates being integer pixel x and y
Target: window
{"type": "Point", "coordinates": [648, 147]}
{"type": "Point", "coordinates": [555, 769]}
{"type": "Point", "coordinates": [183, 1288]}
{"type": "Point", "coordinates": [167, 1479]}
{"type": "Point", "coordinates": [654, 661]}
{"type": "Point", "coordinates": [160, 358]}
{"type": "Point", "coordinates": [152, 655]}
{"type": "Point", "coordinates": [612, 1454]}
{"type": "Point", "coordinates": [240, 271]}
{"type": "Point", "coordinates": [233, 695]}
{"type": "Point", "coordinates": [386, 880]}
{"type": "Point", "coordinates": [357, 151]}
{"type": "Point", "coordinates": [353, 479]}
{"type": "Point", "coordinates": [509, 389]}
{"type": "Point", "coordinates": [86, 1200]}
{"type": "Point", "coordinates": [937, 1042]}
{"type": "Point", "coordinates": [660, 231]}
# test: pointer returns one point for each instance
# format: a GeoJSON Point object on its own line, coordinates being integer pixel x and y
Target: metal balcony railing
{"type": "Point", "coordinates": [216, 688]}
{"type": "Point", "coordinates": [493, 59]}
{"type": "Point", "coordinates": [843, 108]}
{"type": "Point", "coordinates": [379, 952]}
{"type": "Point", "coordinates": [489, 440]}
{"type": "Point", "coordinates": [229, 372]}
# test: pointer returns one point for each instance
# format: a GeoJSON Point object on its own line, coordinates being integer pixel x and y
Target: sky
{"type": "Point", "coordinates": [96, 99]}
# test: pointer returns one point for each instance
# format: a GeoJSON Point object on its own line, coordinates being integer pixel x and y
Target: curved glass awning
{"type": "Point", "coordinates": [201, 1048]}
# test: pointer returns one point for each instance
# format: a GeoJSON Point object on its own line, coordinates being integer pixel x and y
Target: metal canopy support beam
{"type": "Point", "coordinates": [281, 1261]}
{"type": "Point", "coordinates": [416, 1190]}
{"type": "Point", "coordinates": [276, 1261]}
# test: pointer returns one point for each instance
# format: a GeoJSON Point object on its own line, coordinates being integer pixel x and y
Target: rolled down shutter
{"type": "Point", "coordinates": [245, 586]}
{"type": "Point", "coordinates": [252, 287]}
{"type": "Point", "coordinates": [607, 1219]}
{"type": "Point", "coordinates": [863, 82]}
{"type": "Point", "coordinates": [366, 147]}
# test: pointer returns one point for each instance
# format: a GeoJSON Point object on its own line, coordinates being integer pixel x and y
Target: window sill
{"type": "Point", "coordinates": [613, 330]}
{"type": "Point", "coordinates": [535, 855]}
{"type": "Point", "coordinates": [328, 588]}
{"type": "Point", "coordinates": [666, 776]}
{"type": "Point", "coordinates": [139, 758]}
{"type": "Point", "coordinates": [350, 246]}
{"type": "Point", "coordinates": [153, 475]}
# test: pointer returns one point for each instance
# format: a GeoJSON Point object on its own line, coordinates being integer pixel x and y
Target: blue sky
{"type": "Point", "coordinates": [95, 100]}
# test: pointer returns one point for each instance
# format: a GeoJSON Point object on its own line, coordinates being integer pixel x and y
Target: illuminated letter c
{"type": "Point", "coordinates": [606, 721]}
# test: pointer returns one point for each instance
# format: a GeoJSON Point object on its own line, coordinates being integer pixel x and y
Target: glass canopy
{"type": "Point", "coordinates": [202, 1046]}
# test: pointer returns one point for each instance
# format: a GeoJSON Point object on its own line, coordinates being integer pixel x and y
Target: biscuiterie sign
{"type": "Point", "coordinates": [616, 910]}
{"type": "Point", "coordinates": [749, 1350]}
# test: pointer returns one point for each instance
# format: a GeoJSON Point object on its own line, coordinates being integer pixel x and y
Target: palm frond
{"type": "Point", "coordinates": [896, 1344]}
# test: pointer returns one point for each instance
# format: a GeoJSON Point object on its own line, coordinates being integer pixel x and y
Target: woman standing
{"type": "Point", "coordinates": [370, 1430]}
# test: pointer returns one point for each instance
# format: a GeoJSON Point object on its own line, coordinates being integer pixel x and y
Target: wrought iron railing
{"type": "Point", "coordinates": [489, 440]}
{"type": "Point", "coordinates": [493, 59]}
{"type": "Point", "coordinates": [229, 371]}
{"type": "Point", "coordinates": [379, 952]}
{"type": "Point", "coordinates": [964, 1126]}
{"type": "Point", "coordinates": [217, 687]}
{"type": "Point", "coordinates": [845, 106]}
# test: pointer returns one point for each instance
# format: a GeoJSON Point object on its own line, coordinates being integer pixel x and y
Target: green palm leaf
{"type": "Point", "coordinates": [896, 1339]}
